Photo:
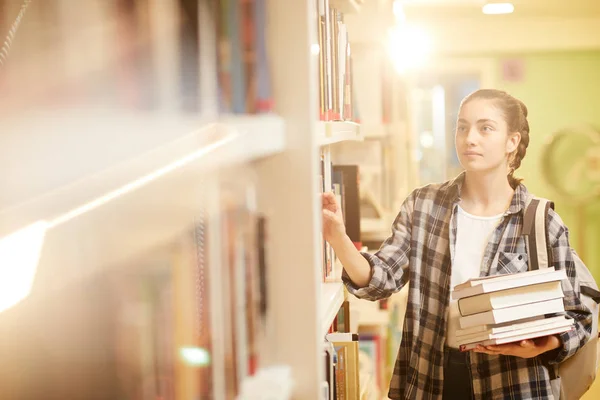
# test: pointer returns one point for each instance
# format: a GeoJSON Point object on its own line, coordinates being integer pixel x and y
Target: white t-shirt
{"type": "Point", "coordinates": [472, 236]}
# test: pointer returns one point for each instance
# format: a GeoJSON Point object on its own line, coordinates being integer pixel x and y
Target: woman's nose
{"type": "Point", "coordinates": [471, 136]}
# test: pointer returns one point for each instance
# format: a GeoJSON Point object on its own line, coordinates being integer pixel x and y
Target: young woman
{"type": "Point", "coordinates": [448, 233]}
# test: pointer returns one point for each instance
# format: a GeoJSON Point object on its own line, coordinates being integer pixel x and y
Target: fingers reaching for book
{"type": "Point", "coordinates": [333, 220]}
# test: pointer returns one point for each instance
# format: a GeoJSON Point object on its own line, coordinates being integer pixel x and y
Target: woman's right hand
{"type": "Point", "coordinates": [333, 220]}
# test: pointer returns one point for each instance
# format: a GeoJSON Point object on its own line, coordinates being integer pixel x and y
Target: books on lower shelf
{"type": "Point", "coordinates": [509, 308]}
{"type": "Point", "coordinates": [342, 366]}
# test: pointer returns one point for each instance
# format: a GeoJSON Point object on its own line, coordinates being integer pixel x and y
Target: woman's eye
{"type": "Point", "coordinates": [461, 129]}
{"type": "Point", "coordinates": [487, 128]}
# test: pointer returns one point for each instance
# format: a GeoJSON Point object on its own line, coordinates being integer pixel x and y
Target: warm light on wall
{"type": "Point", "coordinates": [498, 8]}
{"type": "Point", "coordinates": [409, 47]}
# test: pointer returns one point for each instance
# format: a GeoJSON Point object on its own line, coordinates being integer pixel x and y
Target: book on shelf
{"type": "Point", "coordinates": [331, 361]}
{"type": "Point", "coordinates": [350, 177]}
{"type": "Point", "coordinates": [343, 181]}
{"type": "Point", "coordinates": [347, 381]}
{"type": "Point", "coordinates": [242, 57]}
{"type": "Point", "coordinates": [142, 55]}
{"type": "Point", "coordinates": [329, 258]}
{"type": "Point", "coordinates": [341, 323]}
{"type": "Point", "coordinates": [189, 54]}
{"type": "Point", "coordinates": [335, 78]}
{"type": "Point", "coordinates": [371, 360]}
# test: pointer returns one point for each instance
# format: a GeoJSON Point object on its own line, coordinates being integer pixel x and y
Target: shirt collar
{"type": "Point", "coordinates": [517, 203]}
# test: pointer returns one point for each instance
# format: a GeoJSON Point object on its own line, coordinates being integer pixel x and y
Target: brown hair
{"type": "Point", "coordinates": [515, 114]}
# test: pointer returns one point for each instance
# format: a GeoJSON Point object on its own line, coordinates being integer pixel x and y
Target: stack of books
{"type": "Point", "coordinates": [509, 308]}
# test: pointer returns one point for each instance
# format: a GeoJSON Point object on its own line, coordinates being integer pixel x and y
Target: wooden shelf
{"type": "Point", "coordinates": [131, 208]}
{"type": "Point", "coordinates": [332, 297]}
{"type": "Point", "coordinates": [331, 132]}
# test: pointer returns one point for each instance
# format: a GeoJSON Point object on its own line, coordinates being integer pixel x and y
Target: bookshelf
{"type": "Point", "coordinates": [121, 207]}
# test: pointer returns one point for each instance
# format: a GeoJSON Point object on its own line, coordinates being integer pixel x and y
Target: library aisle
{"type": "Point", "coordinates": [162, 164]}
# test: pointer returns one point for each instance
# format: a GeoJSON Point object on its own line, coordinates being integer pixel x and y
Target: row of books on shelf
{"type": "Point", "coordinates": [508, 308]}
{"type": "Point", "coordinates": [341, 354]}
{"type": "Point", "coordinates": [343, 181]}
{"type": "Point", "coordinates": [358, 364]}
{"type": "Point", "coordinates": [184, 321]}
{"type": "Point", "coordinates": [142, 54]}
{"type": "Point", "coordinates": [336, 94]}
{"type": "Point", "coordinates": [339, 84]}
{"type": "Point", "coordinates": [341, 358]}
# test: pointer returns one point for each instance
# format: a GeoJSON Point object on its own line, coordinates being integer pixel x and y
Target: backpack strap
{"type": "Point", "coordinates": [592, 293]}
{"type": "Point", "coordinates": [534, 229]}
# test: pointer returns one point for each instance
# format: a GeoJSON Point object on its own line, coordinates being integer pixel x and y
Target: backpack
{"type": "Point", "coordinates": [574, 376]}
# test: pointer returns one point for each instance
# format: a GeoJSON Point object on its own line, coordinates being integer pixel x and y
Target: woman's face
{"type": "Point", "coordinates": [483, 142]}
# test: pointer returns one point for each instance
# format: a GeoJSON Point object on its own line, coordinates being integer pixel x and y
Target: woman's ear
{"type": "Point", "coordinates": [513, 142]}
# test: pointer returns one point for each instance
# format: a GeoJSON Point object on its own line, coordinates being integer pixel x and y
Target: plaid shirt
{"type": "Point", "coordinates": [420, 252]}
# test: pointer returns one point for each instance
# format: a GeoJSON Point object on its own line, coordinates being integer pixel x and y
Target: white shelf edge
{"type": "Point", "coordinates": [380, 131]}
{"type": "Point", "coordinates": [332, 297]}
{"type": "Point", "coordinates": [331, 132]}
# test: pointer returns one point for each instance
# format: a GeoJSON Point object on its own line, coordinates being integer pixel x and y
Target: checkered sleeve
{"type": "Point", "coordinates": [562, 258]}
{"type": "Point", "coordinates": [390, 262]}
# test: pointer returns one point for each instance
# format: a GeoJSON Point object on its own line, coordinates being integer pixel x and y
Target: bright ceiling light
{"type": "Point", "coordinates": [398, 11]}
{"type": "Point", "coordinates": [498, 8]}
{"type": "Point", "coordinates": [409, 47]}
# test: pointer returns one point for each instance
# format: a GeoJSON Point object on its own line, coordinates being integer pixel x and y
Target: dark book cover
{"type": "Point", "coordinates": [351, 200]}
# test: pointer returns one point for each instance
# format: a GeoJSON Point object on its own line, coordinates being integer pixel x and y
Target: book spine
{"type": "Point", "coordinates": [264, 95]}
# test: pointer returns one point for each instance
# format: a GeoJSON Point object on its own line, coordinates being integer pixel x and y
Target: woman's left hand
{"type": "Point", "coordinates": [524, 349]}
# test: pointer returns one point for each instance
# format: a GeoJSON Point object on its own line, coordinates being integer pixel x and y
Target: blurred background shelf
{"type": "Point", "coordinates": [347, 6]}
{"type": "Point", "coordinates": [330, 132]}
